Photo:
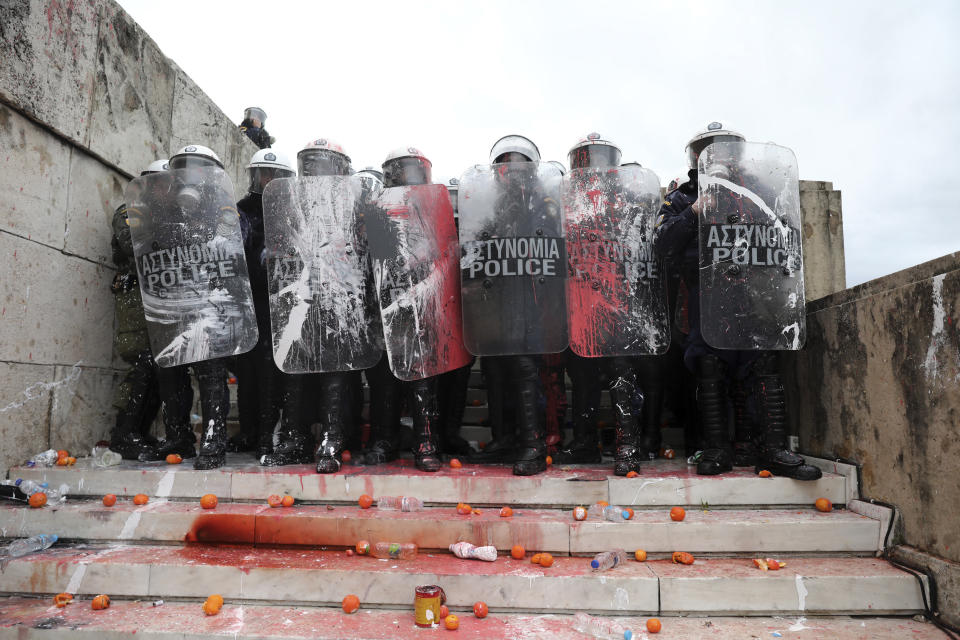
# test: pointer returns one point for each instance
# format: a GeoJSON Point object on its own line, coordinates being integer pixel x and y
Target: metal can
{"type": "Point", "coordinates": [426, 605]}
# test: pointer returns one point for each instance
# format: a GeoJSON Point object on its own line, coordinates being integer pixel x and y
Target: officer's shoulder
{"type": "Point", "coordinates": [121, 210]}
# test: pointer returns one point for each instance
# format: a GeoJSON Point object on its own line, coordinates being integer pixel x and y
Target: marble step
{"type": "Point", "coordinates": [31, 619]}
{"type": "Point", "coordinates": [244, 573]}
{"type": "Point", "coordinates": [661, 483]}
{"type": "Point", "coordinates": [731, 531]}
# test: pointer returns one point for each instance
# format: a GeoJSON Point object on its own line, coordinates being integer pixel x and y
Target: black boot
{"type": "Point", "coordinates": [711, 396]}
{"type": "Point", "coordinates": [127, 440]}
{"type": "Point", "coordinates": [584, 447]}
{"type": "Point", "coordinates": [650, 376]}
{"type": "Point", "coordinates": [500, 415]}
{"type": "Point", "coordinates": [531, 457]}
{"type": "Point", "coordinates": [215, 404]}
{"type": "Point", "coordinates": [628, 455]}
{"type": "Point", "coordinates": [384, 443]}
{"type": "Point", "coordinates": [336, 408]}
{"type": "Point", "coordinates": [295, 444]}
{"type": "Point", "coordinates": [453, 401]}
{"type": "Point", "coordinates": [769, 406]}
{"type": "Point", "coordinates": [744, 446]}
{"type": "Point", "coordinates": [176, 394]}
{"type": "Point", "coordinates": [426, 454]}
{"type": "Point", "coordinates": [180, 440]}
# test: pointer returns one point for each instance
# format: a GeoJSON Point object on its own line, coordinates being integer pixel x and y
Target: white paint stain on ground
{"type": "Point", "coordinates": [39, 389]}
{"type": "Point", "coordinates": [642, 486]}
{"type": "Point", "coordinates": [165, 486]}
{"type": "Point", "coordinates": [76, 578]}
{"type": "Point", "coordinates": [801, 594]}
{"type": "Point", "coordinates": [798, 625]}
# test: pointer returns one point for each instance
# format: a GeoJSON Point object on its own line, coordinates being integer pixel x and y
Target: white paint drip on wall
{"type": "Point", "coordinates": [801, 593]}
{"type": "Point", "coordinates": [38, 389]}
{"type": "Point", "coordinates": [938, 337]}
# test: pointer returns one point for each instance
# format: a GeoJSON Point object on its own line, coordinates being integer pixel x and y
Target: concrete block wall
{"type": "Point", "coordinates": [87, 100]}
{"type": "Point", "coordinates": [824, 266]}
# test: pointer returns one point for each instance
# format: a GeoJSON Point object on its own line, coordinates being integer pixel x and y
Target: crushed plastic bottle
{"type": "Point", "coordinates": [394, 550]}
{"type": "Point", "coordinates": [606, 560]}
{"type": "Point", "coordinates": [611, 513]}
{"type": "Point", "coordinates": [400, 503]}
{"type": "Point", "coordinates": [26, 546]}
{"type": "Point", "coordinates": [46, 459]}
{"type": "Point", "coordinates": [601, 627]}
{"type": "Point", "coordinates": [104, 457]}
{"type": "Point", "coordinates": [54, 496]}
{"type": "Point", "coordinates": [473, 552]}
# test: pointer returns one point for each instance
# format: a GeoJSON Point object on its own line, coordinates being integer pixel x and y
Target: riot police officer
{"type": "Point", "coordinates": [254, 119]}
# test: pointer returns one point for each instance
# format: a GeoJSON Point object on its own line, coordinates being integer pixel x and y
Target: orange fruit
{"type": "Point", "coordinates": [546, 560]}
{"type": "Point", "coordinates": [100, 602]}
{"type": "Point", "coordinates": [274, 500]}
{"type": "Point", "coordinates": [71, 460]}
{"type": "Point", "coordinates": [463, 509]}
{"type": "Point", "coordinates": [682, 557]}
{"type": "Point", "coordinates": [109, 500]}
{"type": "Point", "coordinates": [579, 513]}
{"type": "Point", "coordinates": [140, 499]}
{"type": "Point", "coordinates": [822, 504]}
{"type": "Point", "coordinates": [677, 514]}
{"type": "Point", "coordinates": [632, 474]}
{"type": "Point", "coordinates": [216, 597]}
{"type": "Point", "coordinates": [640, 555]}
{"type": "Point", "coordinates": [38, 499]}
{"type": "Point", "coordinates": [174, 458]}
{"type": "Point", "coordinates": [213, 605]}
{"type": "Point", "coordinates": [444, 611]}
{"type": "Point", "coordinates": [209, 501]}
{"type": "Point", "coordinates": [363, 548]}
{"type": "Point", "coordinates": [62, 599]}
{"type": "Point", "coordinates": [351, 603]}
{"type": "Point", "coordinates": [653, 625]}
{"type": "Point", "coordinates": [365, 501]}
{"type": "Point", "coordinates": [475, 512]}
{"type": "Point", "coordinates": [480, 609]}
{"type": "Point", "coordinates": [669, 454]}
{"type": "Point", "coordinates": [451, 622]}
{"type": "Point", "coordinates": [346, 456]}
{"type": "Point", "coordinates": [455, 463]}
{"type": "Point", "coordinates": [62, 462]}
{"type": "Point", "coordinates": [765, 474]}
{"type": "Point", "coordinates": [506, 512]}
{"type": "Point", "coordinates": [549, 460]}
{"type": "Point", "coordinates": [349, 553]}
{"type": "Point", "coordinates": [63, 453]}
{"type": "Point", "coordinates": [517, 552]}
{"type": "Point", "coordinates": [535, 559]}
{"type": "Point", "coordinates": [287, 501]}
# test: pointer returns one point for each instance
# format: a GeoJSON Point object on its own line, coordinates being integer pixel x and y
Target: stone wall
{"type": "Point", "coordinates": [87, 100]}
{"type": "Point", "coordinates": [824, 266]}
{"type": "Point", "coordinates": [878, 382]}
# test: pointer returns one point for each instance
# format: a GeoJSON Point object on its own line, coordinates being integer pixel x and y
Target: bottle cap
{"type": "Point", "coordinates": [594, 564]}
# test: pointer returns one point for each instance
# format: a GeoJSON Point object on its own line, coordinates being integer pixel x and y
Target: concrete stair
{"type": "Point", "coordinates": [263, 560]}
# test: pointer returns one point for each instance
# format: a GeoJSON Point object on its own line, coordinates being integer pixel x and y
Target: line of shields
{"type": "Point", "coordinates": [541, 262]}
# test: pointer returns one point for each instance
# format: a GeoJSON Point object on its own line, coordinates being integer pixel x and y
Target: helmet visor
{"type": "Point", "coordinates": [260, 177]}
{"type": "Point", "coordinates": [406, 171]}
{"type": "Point", "coordinates": [323, 162]}
{"type": "Point", "coordinates": [255, 113]}
{"type": "Point", "coordinates": [594, 155]}
{"type": "Point", "coordinates": [511, 156]}
{"type": "Point", "coordinates": [192, 161]}
{"type": "Point", "coordinates": [695, 148]}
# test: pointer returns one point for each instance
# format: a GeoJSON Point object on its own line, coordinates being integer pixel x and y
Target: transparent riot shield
{"type": "Point", "coordinates": [513, 259]}
{"type": "Point", "coordinates": [323, 313]}
{"type": "Point", "coordinates": [751, 261]}
{"type": "Point", "coordinates": [616, 293]}
{"type": "Point", "coordinates": [191, 266]}
{"type": "Point", "coordinates": [413, 242]}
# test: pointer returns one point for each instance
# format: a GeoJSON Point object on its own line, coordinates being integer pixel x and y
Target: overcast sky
{"type": "Point", "coordinates": [866, 93]}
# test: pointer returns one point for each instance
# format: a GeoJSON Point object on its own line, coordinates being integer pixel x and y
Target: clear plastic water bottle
{"type": "Point", "coordinates": [470, 551]}
{"type": "Point", "coordinates": [606, 560]}
{"type": "Point", "coordinates": [611, 513]}
{"type": "Point", "coordinates": [395, 550]}
{"type": "Point", "coordinates": [400, 503]}
{"type": "Point", "coordinates": [31, 487]}
{"type": "Point", "coordinates": [24, 546]}
{"type": "Point", "coordinates": [46, 459]}
{"type": "Point", "coordinates": [601, 627]}
{"type": "Point", "coordinates": [104, 457]}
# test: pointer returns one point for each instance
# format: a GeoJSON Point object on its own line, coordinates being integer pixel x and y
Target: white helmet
{"type": "Point", "coordinates": [703, 139]}
{"type": "Point", "coordinates": [265, 165]}
{"type": "Point", "coordinates": [406, 166]}
{"type": "Point", "coordinates": [514, 144]}
{"type": "Point", "coordinates": [558, 165]}
{"type": "Point", "coordinates": [157, 166]}
{"type": "Point", "coordinates": [194, 155]}
{"type": "Point", "coordinates": [255, 112]}
{"type": "Point", "coordinates": [453, 189]}
{"type": "Point", "coordinates": [370, 174]}
{"type": "Point", "coordinates": [323, 157]}
{"type": "Point", "coordinates": [593, 151]}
